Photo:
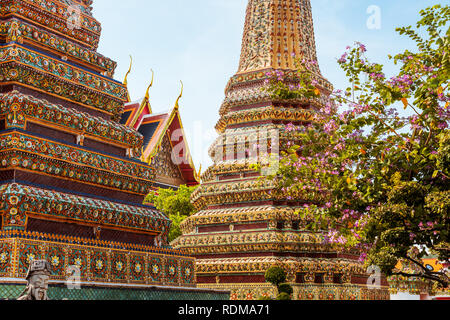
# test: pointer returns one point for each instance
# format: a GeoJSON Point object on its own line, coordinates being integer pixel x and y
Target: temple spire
{"type": "Point", "coordinates": [276, 33]}
{"type": "Point", "coordinates": [147, 92]}
{"type": "Point", "coordinates": [145, 103]}
{"type": "Point", "coordinates": [177, 106]}
{"type": "Point", "coordinates": [125, 80]}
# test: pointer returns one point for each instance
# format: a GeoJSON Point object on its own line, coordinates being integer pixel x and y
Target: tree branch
{"type": "Point", "coordinates": [428, 274]}
{"type": "Point", "coordinates": [419, 264]}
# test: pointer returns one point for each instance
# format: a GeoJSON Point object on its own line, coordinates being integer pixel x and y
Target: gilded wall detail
{"type": "Point", "coordinates": [166, 170]}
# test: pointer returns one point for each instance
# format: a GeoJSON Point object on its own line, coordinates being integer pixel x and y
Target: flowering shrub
{"type": "Point", "coordinates": [379, 151]}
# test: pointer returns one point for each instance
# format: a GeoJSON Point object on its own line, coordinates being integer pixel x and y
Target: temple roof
{"type": "Point", "coordinates": [138, 114]}
{"type": "Point", "coordinates": [431, 263]}
{"type": "Point", "coordinates": [134, 111]}
{"type": "Point", "coordinates": [154, 127]}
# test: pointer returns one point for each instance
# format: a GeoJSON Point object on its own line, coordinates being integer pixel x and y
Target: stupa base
{"type": "Point", "coordinates": [251, 291]}
{"type": "Point", "coordinates": [106, 270]}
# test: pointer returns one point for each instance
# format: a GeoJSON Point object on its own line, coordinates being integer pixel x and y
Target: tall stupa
{"type": "Point", "coordinates": [72, 182]}
{"type": "Point", "coordinates": [244, 226]}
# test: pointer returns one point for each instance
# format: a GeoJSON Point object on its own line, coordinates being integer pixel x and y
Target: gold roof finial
{"type": "Point", "coordinates": [144, 101]}
{"type": "Point", "coordinates": [125, 81]}
{"type": "Point", "coordinates": [199, 174]}
{"type": "Point", "coordinates": [177, 106]}
{"type": "Point", "coordinates": [147, 93]}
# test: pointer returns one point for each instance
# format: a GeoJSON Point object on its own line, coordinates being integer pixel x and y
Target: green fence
{"type": "Point", "coordinates": [12, 292]}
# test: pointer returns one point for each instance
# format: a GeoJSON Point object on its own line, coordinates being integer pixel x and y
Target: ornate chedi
{"type": "Point", "coordinates": [244, 226]}
{"type": "Point", "coordinates": [72, 181]}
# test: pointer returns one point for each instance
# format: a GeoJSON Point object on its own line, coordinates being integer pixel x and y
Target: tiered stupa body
{"type": "Point", "coordinates": [244, 226]}
{"type": "Point", "coordinates": [71, 180]}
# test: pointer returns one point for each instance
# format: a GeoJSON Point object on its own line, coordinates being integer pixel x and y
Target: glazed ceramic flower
{"type": "Point", "coordinates": [172, 271]}
{"type": "Point", "coordinates": [3, 257]}
{"type": "Point", "coordinates": [78, 262]}
{"type": "Point", "coordinates": [138, 268]}
{"type": "Point", "coordinates": [30, 257]}
{"type": "Point", "coordinates": [155, 269]}
{"type": "Point", "coordinates": [99, 264]}
{"type": "Point", "coordinates": [55, 261]}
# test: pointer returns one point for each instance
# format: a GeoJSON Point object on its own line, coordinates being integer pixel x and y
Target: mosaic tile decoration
{"type": "Point", "coordinates": [96, 264]}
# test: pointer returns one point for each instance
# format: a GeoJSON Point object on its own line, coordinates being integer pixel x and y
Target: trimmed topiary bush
{"type": "Point", "coordinates": [265, 298]}
{"type": "Point", "coordinates": [276, 276]}
{"type": "Point", "coordinates": [284, 296]}
{"type": "Point", "coordinates": [285, 288]}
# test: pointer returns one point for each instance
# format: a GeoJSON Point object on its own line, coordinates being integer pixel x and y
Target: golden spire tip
{"type": "Point", "coordinates": [147, 93]}
{"type": "Point", "coordinates": [125, 81]}
{"type": "Point", "coordinates": [181, 95]}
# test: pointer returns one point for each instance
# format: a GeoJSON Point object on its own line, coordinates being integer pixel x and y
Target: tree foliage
{"type": "Point", "coordinates": [275, 275]}
{"type": "Point", "coordinates": [176, 204]}
{"type": "Point", "coordinates": [286, 288]}
{"type": "Point", "coordinates": [284, 296]}
{"type": "Point", "coordinates": [379, 151]}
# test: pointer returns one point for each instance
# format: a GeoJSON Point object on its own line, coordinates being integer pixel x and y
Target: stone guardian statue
{"type": "Point", "coordinates": [37, 281]}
